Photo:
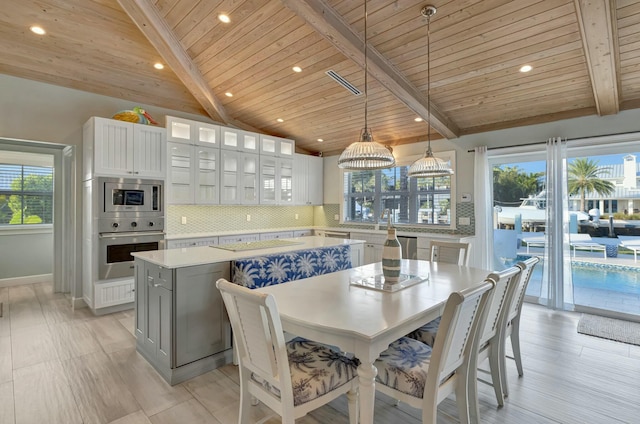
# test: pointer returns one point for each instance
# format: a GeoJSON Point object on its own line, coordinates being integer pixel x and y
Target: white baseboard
{"type": "Point", "coordinates": [77, 303]}
{"type": "Point", "coordinates": [29, 279]}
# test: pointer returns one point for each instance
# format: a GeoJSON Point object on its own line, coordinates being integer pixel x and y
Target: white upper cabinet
{"type": "Point", "coordinates": [115, 148]}
{"type": "Point", "coordinates": [239, 140]}
{"type": "Point", "coordinates": [307, 180]}
{"type": "Point", "coordinates": [181, 130]}
{"type": "Point", "coordinates": [276, 146]}
{"type": "Point", "coordinates": [239, 178]}
{"type": "Point", "coordinates": [194, 175]}
{"type": "Point", "coordinates": [276, 181]}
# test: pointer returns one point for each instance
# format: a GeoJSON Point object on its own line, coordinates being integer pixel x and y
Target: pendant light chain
{"type": "Point", "coordinates": [429, 166]}
{"type": "Point", "coordinates": [429, 82]}
{"type": "Point", "coordinates": [366, 154]}
{"type": "Point", "coordinates": [366, 73]}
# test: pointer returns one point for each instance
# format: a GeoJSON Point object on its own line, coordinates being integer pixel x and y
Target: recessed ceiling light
{"type": "Point", "coordinates": [228, 94]}
{"type": "Point", "coordinates": [418, 119]}
{"type": "Point", "coordinates": [37, 30]}
{"type": "Point", "coordinates": [320, 140]}
{"type": "Point", "coordinates": [297, 69]}
{"type": "Point", "coordinates": [526, 68]}
{"type": "Point", "coordinates": [224, 18]}
{"type": "Point", "coordinates": [280, 120]}
{"type": "Point", "coordinates": [158, 65]}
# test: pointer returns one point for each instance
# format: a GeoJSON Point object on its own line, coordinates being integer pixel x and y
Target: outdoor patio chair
{"type": "Point", "coordinates": [315, 375]}
{"type": "Point", "coordinates": [632, 243]}
{"type": "Point", "coordinates": [414, 373]}
{"type": "Point", "coordinates": [584, 241]}
{"type": "Point", "coordinates": [533, 241]}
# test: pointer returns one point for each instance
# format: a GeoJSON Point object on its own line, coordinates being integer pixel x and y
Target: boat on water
{"type": "Point", "coordinates": [532, 212]}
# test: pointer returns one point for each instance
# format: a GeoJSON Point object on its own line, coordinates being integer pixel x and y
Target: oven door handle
{"type": "Point", "coordinates": [131, 234]}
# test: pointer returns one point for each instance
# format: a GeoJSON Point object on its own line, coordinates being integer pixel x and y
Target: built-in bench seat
{"type": "Point", "coordinates": [268, 270]}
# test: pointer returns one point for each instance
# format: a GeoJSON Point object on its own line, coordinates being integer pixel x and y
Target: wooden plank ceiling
{"type": "Point", "coordinates": [585, 56]}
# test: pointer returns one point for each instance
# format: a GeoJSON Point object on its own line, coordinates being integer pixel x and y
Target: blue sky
{"type": "Point", "coordinates": [539, 166]}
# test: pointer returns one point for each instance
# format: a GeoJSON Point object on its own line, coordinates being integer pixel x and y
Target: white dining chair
{"type": "Point", "coordinates": [491, 340]}
{"type": "Point", "coordinates": [512, 328]}
{"type": "Point", "coordinates": [450, 252]}
{"type": "Point", "coordinates": [292, 378]}
{"type": "Point", "coordinates": [421, 376]}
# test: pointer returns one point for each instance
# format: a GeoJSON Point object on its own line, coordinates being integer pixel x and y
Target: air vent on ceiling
{"type": "Point", "coordinates": [343, 82]}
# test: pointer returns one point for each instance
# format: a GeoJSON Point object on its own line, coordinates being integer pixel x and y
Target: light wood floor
{"type": "Point", "coordinates": [60, 367]}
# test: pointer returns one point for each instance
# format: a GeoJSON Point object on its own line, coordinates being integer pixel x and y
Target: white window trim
{"type": "Point", "coordinates": [447, 155]}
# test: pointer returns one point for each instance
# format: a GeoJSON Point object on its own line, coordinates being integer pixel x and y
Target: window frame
{"type": "Point", "coordinates": [449, 155]}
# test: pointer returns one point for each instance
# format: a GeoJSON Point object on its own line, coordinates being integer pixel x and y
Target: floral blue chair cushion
{"type": "Point", "coordinates": [404, 365]}
{"type": "Point", "coordinates": [316, 369]}
{"type": "Point", "coordinates": [268, 270]}
{"type": "Point", "coordinates": [427, 333]}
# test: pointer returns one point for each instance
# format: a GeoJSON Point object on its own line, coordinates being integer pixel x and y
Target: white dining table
{"type": "Point", "coordinates": [364, 321]}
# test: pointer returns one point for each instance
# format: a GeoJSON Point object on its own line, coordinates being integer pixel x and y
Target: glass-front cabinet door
{"type": "Point", "coordinates": [249, 179]}
{"type": "Point", "coordinates": [286, 182]}
{"type": "Point", "coordinates": [180, 181]}
{"type": "Point", "coordinates": [230, 177]}
{"type": "Point", "coordinates": [239, 178]}
{"type": "Point", "coordinates": [206, 182]}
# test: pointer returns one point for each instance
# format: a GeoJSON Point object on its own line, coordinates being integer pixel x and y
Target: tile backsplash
{"type": "Point", "coordinates": [205, 219]}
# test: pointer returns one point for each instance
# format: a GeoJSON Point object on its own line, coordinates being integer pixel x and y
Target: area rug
{"type": "Point", "coordinates": [610, 328]}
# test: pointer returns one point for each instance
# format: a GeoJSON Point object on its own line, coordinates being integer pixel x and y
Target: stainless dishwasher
{"type": "Point", "coordinates": [409, 247]}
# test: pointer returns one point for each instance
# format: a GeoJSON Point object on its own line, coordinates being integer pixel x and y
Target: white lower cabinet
{"type": "Point", "coordinates": [241, 238]}
{"type": "Point", "coordinates": [276, 235]}
{"type": "Point", "coordinates": [192, 242]}
{"type": "Point", "coordinates": [111, 293]}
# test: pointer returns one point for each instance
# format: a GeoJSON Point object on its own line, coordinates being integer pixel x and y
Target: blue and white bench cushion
{"type": "Point", "coordinates": [404, 365]}
{"type": "Point", "coordinates": [316, 369]}
{"type": "Point", "coordinates": [427, 333]}
{"type": "Point", "coordinates": [268, 270]}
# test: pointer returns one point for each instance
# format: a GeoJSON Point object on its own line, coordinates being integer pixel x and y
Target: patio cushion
{"type": "Point", "coordinates": [427, 333]}
{"type": "Point", "coordinates": [268, 270]}
{"type": "Point", "coordinates": [316, 369]}
{"type": "Point", "coordinates": [404, 365]}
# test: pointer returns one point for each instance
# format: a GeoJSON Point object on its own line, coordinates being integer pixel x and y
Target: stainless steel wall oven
{"type": "Point", "coordinates": [130, 219]}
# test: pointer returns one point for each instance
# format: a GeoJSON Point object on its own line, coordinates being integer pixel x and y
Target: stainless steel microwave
{"type": "Point", "coordinates": [130, 195]}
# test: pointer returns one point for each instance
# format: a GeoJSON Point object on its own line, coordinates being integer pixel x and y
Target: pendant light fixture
{"type": "Point", "coordinates": [366, 154]}
{"type": "Point", "coordinates": [429, 165]}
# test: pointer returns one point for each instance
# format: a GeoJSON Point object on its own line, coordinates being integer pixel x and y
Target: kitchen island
{"type": "Point", "coordinates": [181, 325]}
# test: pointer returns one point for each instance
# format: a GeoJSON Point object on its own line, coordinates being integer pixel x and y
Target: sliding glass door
{"type": "Point", "coordinates": [600, 214]}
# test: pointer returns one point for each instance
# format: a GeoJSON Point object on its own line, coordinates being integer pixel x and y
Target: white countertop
{"type": "Point", "coordinates": [191, 256]}
{"type": "Point", "coordinates": [381, 232]}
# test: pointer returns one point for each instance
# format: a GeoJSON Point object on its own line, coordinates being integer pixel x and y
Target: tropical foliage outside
{"type": "Point", "coordinates": [584, 176]}
{"type": "Point", "coordinates": [28, 196]}
{"type": "Point", "coordinates": [511, 185]}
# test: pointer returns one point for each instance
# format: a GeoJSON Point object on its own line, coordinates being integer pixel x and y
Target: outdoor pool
{"type": "Point", "coordinates": [585, 275]}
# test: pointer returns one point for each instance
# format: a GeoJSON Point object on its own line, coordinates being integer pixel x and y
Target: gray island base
{"type": "Point", "coordinates": [181, 327]}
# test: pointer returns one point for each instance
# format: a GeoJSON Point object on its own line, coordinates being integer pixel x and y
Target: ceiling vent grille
{"type": "Point", "coordinates": [343, 82]}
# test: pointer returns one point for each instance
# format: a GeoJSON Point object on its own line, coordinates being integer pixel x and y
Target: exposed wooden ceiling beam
{"type": "Point", "coordinates": [327, 22]}
{"type": "Point", "coordinates": [599, 37]}
{"type": "Point", "coordinates": [145, 15]}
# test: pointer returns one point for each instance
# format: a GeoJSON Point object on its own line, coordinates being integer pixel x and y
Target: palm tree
{"type": "Point", "coordinates": [584, 175]}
